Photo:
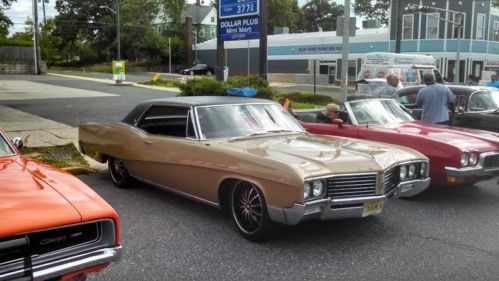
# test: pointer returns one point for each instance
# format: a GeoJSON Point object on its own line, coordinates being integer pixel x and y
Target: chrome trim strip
{"type": "Point", "coordinates": [75, 263]}
{"type": "Point", "coordinates": [341, 175]}
{"type": "Point", "coordinates": [183, 194]}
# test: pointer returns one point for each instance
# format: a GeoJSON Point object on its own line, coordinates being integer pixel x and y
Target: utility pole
{"type": "Point", "coordinates": [398, 26]}
{"type": "Point", "coordinates": [36, 36]}
{"type": "Point", "coordinates": [44, 18]}
{"type": "Point", "coordinates": [344, 52]}
{"type": "Point", "coordinates": [118, 33]}
{"type": "Point", "coordinates": [264, 19]}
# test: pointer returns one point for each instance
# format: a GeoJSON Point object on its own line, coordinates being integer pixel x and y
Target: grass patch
{"type": "Point", "coordinates": [61, 156]}
{"type": "Point", "coordinates": [161, 83]}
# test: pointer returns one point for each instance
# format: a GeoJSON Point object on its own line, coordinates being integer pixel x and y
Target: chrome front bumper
{"type": "Point", "coordinates": [70, 264]}
{"type": "Point", "coordinates": [477, 171]}
{"type": "Point", "coordinates": [329, 208]}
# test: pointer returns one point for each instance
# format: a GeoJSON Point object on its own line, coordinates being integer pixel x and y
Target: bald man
{"type": "Point", "coordinates": [436, 100]}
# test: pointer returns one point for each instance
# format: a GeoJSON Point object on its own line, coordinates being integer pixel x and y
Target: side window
{"type": "Point", "coordinates": [408, 98]}
{"type": "Point", "coordinates": [461, 102]}
{"type": "Point", "coordinates": [438, 76]}
{"type": "Point", "coordinates": [167, 121]}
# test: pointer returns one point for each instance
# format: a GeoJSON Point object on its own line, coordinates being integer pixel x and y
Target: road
{"type": "Point", "coordinates": [444, 234]}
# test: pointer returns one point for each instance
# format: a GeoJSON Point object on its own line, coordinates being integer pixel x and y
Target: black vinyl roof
{"type": "Point", "coordinates": [190, 101]}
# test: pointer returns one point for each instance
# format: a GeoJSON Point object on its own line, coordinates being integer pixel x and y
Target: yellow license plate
{"type": "Point", "coordinates": [372, 208]}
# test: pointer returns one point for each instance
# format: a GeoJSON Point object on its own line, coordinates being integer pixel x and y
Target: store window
{"type": "Point", "coordinates": [496, 30]}
{"type": "Point", "coordinates": [455, 28]}
{"type": "Point", "coordinates": [408, 23]}
{"type": "Point", "coordinates": [432, 25]}
{"type": "Point", "coordinates": [480, 27]}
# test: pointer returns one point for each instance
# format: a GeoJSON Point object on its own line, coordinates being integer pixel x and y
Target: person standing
{"type": "Point", "coordinates": [390, 89]}
{"type": "Point", "coordinates": [436, 100]}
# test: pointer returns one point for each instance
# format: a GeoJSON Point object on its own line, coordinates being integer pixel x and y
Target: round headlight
{"type": "Point", "coordinates": [464, 159]}
{"type": "Point", "coordinates": [473, 160]}
{"type": "Point", "coordinates": [318, 188]}
{"type": "Point", "coordinates": [422, 170]}
{"type": "Point", "coordinates": [403, 172]}
{"type": "Point", "coordinates": [412, 170]}
{"type": "Point", "coordinates": [306, 190]}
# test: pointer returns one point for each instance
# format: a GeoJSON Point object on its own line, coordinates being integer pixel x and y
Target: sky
{"type": "Point", "coordinates": [21, 9]}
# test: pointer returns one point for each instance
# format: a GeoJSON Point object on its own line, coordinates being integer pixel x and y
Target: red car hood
{"type": "Point", "coordinates": [461, 138]}
{"type": "Point", "coordinates": [36, 196]}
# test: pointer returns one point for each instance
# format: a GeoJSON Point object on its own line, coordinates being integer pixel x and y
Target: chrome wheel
{"type": "Point", "coordinates": [247, 207]}
{"type": "Point", "coordinates": [119, 173]}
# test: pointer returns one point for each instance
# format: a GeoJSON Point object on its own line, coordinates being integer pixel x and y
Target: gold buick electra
{"type": "Point", "coordinates": [253, 159]}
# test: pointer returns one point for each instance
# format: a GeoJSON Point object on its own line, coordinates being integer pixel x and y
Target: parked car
{"type": "Point", "coordinates": [457, 155]}
{"type": "Point", "coordinates": [476, 106]}
{"type": "Point", "coordinates": [52, 225]}
{"type": "Point", "coordinates": [198, 69]}
{"type": "Point", "coordinates": [253, 159]}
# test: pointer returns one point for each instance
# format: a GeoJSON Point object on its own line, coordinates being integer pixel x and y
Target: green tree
{"type": "Point", "coordinates": [378, 10]}
{"type": "Point", "coordinates": [5, 22]}
{"type": "Point", "coordinates": [321, 14]}
{"type": "Point", "coordinates": [50, 43]}
{"type": "Point", "coordinates": [172, 12]}
{"type": "Point", "coordinates": [283, 13]}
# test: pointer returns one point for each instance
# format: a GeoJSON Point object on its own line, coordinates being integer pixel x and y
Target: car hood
{"type": "Point", "coordinates": [27, 202]}
{"type": "Point", "coordinates": [313, 155]}
{"type": "Point", "coordinates": [462, 138]}
{"type": "Point", "coordinates": [38, 196]}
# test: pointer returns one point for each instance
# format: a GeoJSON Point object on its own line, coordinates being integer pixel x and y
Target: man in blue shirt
{"type": "Point", "coordinates": [436, 100]}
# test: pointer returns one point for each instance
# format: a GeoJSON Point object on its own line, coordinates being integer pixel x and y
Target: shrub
{"type": "Point", "coordinates": [15, 42]}
{"type": "Point", "coordinates": [244, 81]}
{"type": "Point", "coordinates": [308, 98]}
{"type": "Point", "coordinates": [202, 87]}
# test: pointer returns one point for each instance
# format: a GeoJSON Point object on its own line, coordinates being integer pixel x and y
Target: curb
{"type": "Point", "coordinates": [78, 170]}
{"type": "Point", "coordinates": [175, 90]}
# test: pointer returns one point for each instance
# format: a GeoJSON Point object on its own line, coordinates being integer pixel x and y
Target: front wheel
{"type": "Point", "coordinates": [249, 212]}
{"type": "Point", "coordinates": [119, 174]}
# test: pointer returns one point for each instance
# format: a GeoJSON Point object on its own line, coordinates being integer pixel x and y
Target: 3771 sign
{"type": "Point", "coordinates": [238, 8]}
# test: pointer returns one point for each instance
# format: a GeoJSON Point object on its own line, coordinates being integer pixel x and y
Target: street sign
{"type": "Point", "coordinates": [119, 70]}
{"type": "Point", "coordinates": [240, 29]}
{"type": "Point", "coordinates": [238, 8]}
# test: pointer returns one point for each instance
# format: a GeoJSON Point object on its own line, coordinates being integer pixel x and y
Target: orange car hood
{"type": "Point", "coordinates": [27, 202]}
{"type": "Point", "coordinates": [36, 196]}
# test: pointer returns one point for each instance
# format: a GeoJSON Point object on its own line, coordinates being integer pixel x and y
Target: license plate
{"type": "Point", "coordinates": [372, 208]}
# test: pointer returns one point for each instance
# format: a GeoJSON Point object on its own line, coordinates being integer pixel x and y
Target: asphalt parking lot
{"type": "Point", "coordinates": [444, 234]}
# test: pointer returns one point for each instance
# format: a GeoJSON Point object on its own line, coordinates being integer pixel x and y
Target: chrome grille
{"type": "Point", "coordinates": [351, 186]}
{"type": "Point", "coordinates": [391, 179]}
{"type": "Point", "coordinates": [491, 161]}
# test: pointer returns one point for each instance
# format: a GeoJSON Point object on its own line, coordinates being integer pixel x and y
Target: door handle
{"type": "Point", "coordinates": [148, 142]}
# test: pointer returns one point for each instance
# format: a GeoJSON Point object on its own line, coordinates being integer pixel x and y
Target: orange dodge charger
{"type": "Point", "coordinates": [52, 225]}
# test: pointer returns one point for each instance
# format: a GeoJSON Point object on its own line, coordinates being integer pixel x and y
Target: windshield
{"type": "Point", "coordinates": [494, 93]}
{"type": "Point", "coordinates": [5, 149]}
{"type": "Point", "coordinates": [481, 101]}
{"type": "Point", "coordinates": [230, 121]}
{"type": "Point", "coordinates": [378, 112]}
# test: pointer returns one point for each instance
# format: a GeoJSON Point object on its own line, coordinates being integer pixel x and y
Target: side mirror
{"type": "Point", "coordinates": [338, 122]}
{"type": "Point", "coordinates": [18, 143]}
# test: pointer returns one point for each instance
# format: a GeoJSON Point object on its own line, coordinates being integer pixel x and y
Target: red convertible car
{"type": "Point", "coordinates": [52, 225]}
{"type": "Point", "coordinates": [457, 155]}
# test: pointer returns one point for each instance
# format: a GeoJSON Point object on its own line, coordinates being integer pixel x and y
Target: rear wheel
{"type": "Point", "coordinates": [119, 174]}
{"type": "Point", "coordinates": [249, 212]}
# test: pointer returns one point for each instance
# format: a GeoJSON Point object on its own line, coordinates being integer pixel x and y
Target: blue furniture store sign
{"type": "Point", "coordinates": [238, 8]}
{"type": "Point", "coordinates": [239, 29]}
